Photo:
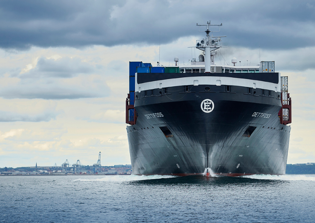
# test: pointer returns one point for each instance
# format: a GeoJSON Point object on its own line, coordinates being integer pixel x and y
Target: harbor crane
{"type": "Point", "coordinates": [98, 163]}
{"type": "Point", "coordinates": [65, 164]}
{"type": "Point", "coordinates": [77, 166]}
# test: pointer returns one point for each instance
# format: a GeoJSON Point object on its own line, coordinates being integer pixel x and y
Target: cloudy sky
{"type": "Point", "coordinates": [64, 67]}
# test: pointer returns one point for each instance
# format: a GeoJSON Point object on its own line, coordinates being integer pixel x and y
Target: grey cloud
{"type": "Point", "coordinates": [56, 90]}
{"type": "Point", "coordinates": [283, 24]}
{"type": "Point", "coordinates": [65, 67]}
{"type": "Point", "coordinates": [54, 94]}
{"type": "Point", "coordinates": [65, 78]}
{"type": "Point", "coordinates": [17, 117]}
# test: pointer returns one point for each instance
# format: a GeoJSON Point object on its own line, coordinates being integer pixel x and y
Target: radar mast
{"type": "Point", "coordinates": [209, 45]}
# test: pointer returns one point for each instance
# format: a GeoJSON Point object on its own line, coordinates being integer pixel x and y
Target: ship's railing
{"type": "Point", "coordinates": [219, 69]}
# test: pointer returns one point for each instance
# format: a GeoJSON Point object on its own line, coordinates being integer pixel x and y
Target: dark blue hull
{"type": "Point", "coordinates": [173, 135]}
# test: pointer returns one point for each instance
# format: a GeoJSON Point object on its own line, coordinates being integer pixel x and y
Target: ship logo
{"type": "Point", "coordinates": [207, 106]}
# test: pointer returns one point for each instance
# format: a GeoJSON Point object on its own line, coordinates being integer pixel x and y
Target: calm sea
{"type": "Point", "coordinates": [289, 198]}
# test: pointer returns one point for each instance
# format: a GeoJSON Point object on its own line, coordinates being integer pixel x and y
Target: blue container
{"type": "Point", "coordinates": [147, 65]}
{"type": "Point", "coordinates": [132, 72]}
{"type": "Point", "coordinates": [131, 115]}
{"type": "Point", "coordinates": [132, 97]}
{"type": "Point", "coordinates": [143, 70]}
{"type": "Point", "coordinates": [133, 67]}
{"type": "Point", "coordinates": [157, 70]}
{"type": "Point", "coordinates": [132, 83]}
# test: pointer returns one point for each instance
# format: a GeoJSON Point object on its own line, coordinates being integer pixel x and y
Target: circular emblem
{"type": "Point", "coordinates": [207, 106]}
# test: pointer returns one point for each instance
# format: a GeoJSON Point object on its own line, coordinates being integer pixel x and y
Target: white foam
{"type": "Point", "coordinates": [306, 177]}
{"type": "Point", "coordinates": [125, 178]}
{"type": "Point", "coordinates": [210, 171]}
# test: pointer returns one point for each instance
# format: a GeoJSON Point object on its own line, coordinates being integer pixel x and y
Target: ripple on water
{"type": "Point", "coordinates": [256, 198]}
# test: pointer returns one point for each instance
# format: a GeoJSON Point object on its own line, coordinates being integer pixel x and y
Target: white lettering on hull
{"type": "Point", "coordinates": [261, 115]}
{"type": "Point", "coordinates": [154, 115]}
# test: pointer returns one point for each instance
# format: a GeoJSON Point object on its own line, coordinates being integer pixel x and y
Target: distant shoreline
{"type": "Point", "coordinates": [60, 175]}
{"type": "Point", "coordinates": [116, 170]}
{"type": "Point", "coordinates": [66, 175]}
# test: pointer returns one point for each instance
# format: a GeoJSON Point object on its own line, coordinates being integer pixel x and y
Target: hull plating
{"type": "Point", "coordinates": [199, 140]}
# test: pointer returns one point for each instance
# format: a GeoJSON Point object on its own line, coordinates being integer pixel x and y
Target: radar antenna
{"type": "Point", "coordinates": [176, 61]}
{"type": "Point", "coordinates": [209, 45]}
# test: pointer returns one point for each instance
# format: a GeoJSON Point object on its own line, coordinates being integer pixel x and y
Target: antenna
{"type": "Point", "coordinates": [176, 60]}
{"type": "Point", "coordinates": [208, 24]}
{"type": "Point", "coordinates": [209, 45]}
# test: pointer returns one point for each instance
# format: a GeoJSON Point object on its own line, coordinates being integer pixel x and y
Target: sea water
{"type": "Point", "coordinates": [256, 198]}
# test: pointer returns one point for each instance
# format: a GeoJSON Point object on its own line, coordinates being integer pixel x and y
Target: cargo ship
{"type": "Point", "coordinates": [229, 120]}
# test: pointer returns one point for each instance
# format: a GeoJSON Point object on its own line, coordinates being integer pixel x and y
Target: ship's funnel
{"type": "Point", "coordinates": [209, 173]}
